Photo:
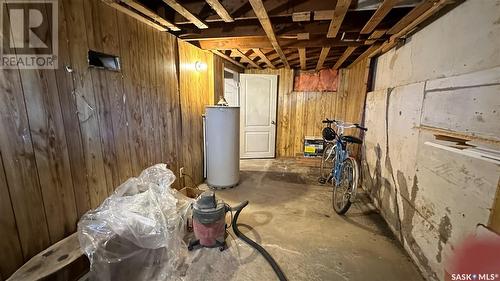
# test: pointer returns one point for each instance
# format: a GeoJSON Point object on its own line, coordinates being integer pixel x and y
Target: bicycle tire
{"type": "Point", "coordinates": [349, 166]}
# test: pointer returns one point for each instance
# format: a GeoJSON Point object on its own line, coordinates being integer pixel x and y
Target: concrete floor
{"type": "Point", "coordinates": [291, 216]}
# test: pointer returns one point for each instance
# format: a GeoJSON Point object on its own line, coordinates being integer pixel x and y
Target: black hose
{"type": "Point", "coordinates": [265, 254]}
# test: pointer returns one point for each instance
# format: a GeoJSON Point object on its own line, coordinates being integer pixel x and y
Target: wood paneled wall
{"type": "Point", "coordinates": [69, 138]}
{"type": "Point", "coordinates": [300, 113]}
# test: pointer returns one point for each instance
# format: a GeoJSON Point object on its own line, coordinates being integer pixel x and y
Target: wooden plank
{"type": "Point", "coordinates": [246, 58]}
{"type": "Point", "coordinates": [69, 111]}
{"type": "Point", "coordinates": [344, 56]}
{"type": "Point", "coordinates": [185, 13]}
{"type": "Point", "coordinates": [12, 256]}
{"type": "Point", "coordinates": [228, 58]}
{"type": "Point", "coordinates": [220, 10]}
{"type": "Point", "coordinates": [322, 57]}
{"type": "Point", "coordinates": [378, 16]}
{"type": "Point", "coordinates": [302, 55]}
{"type": "Point", "coordinates": [324, 14]}
{"type": "Point", "coordinates": [50, 261]}
{"type": "Point", "coordinates": [86, 104]}
{"type": "Point", "coordinates": [374, 36]}
{"type": "Point", "coordinates": [146, 11]}
{"type": "Point", "coordinates": [133, 14]}
{"type": "Point", "coordinates": [303, 36]}
{"type": "Point", "coordinates": [370, 52]}
{"type": "Point", "coordinates": [338, 17]}
{"type": "Point", "coordinates": [261, 13]}
{"type": "Point", "coordinates": [263, 57]}
{"type": "Point", "coordinates": [301, 16]}
{"type": "Point", "coordinates": [262, 42]}
{"type": "Point", "coordinates": [418, 10]}
{"type": "Point", "coordinates": [20, 167]}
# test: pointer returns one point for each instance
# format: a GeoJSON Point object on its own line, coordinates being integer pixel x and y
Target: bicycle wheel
{"type": "Point", "coordinates": [344, 193]}
{"type": "Point", "coordinates": [327, 162]}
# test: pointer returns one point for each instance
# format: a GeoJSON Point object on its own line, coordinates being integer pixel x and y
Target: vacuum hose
{"type": "Point", "coordinates": [252, 243]}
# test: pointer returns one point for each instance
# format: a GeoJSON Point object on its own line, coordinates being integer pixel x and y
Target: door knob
{"type": "Point", "coordinates": [272, 122]}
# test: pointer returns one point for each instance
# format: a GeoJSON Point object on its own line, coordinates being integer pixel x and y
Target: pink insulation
{"type": "Point", "coordinates": [325, 80]}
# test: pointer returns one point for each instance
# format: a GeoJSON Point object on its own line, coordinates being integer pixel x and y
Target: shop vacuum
{"type": "Point", "coordinates": [209, 225]}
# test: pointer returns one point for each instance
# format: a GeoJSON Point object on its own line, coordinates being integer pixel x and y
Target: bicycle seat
{"type": "Point", "coordinates": [351, 139]}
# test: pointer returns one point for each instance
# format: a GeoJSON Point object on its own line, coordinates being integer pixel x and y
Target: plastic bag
{"type": "Point", "coordinates": [138, 232]}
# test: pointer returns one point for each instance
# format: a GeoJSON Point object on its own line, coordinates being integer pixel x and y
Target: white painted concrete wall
{"type": "Point", "coordinates": [447, 77]}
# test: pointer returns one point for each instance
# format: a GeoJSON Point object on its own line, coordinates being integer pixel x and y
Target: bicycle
{"type": "Point", "coordinates": [344, 171]}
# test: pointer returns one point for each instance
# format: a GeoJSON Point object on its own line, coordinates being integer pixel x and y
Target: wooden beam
{"type": "Point", "coordinates": [322, 57]}
{"type": "Point", "coordinates": [379, 15]}
{"type": "Point", "coordinates": [185, 13]}
{"type": "Point", "coordinates": [244, 57]}
{"type": "Point", "coordinates": [344, 56]}
{"type": "Point", "coordinates": [302, 36]}
{"type": "Point", "coordinates": [374, 36]}
{"type": "Point", "coordinates": [370, 52]}
{"type": "Point", "coordinates": [421, 8]}
{"type": "Point", "coordinates": [262, 42]}
{"type": "Point", "coordinates": [302, 56]}
{"type": "Point", "coordinates": [260, 12]}
{"type": "Point", "coordinates": [135, 15]}
{"type": "Point", "coordinates": [228, 58]}
{"type": "Point", "coordinates": [220, 10]}
{"type": "Point", "coordinates": [263, 57]}
{"type": "Point", "coordinates": [301, 16]}
{"type": "Point", "coordinates": [146, 11]}
{"type": "Point", "coordinates": [338, 17]}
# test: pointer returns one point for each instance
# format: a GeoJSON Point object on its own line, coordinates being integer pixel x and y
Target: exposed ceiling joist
{"type": "Point", "coordinates": [421, 8]}
{"type": "Point", "coordinates": [146, 11]}
{"type": "Point", "coordinates": [135, 15]}
{"type": "Point", "coordinates": [263, 57]}
{"type": "Point", "coordinates": [370, 52]}
{"type": "Point", "coordinates": [374, 36]}
{"type": "Point", "coordinates": [344, 56]}
{"type": "Point", "coordinates": [228, 58]}
{"type": "Point", "coordinates": [220, 10]}
{"type": "Point", "coordinates": [379, 15]}
{"type": "Point", "coordinates": [302, 56]}
{"type": "Point", "coordinates": [185, 13]}
{"type": "Point", "coordinates": [244, 57]}
{"type": "Point", "coordinates": [301, 16]}
{"type": "Point", "coordinates": [338, 17]}
{"type": "Point", "coordinates": [262, 42]}
{"type": "Point", "coordinates": [322, 57]}
{"type": "Point", "coordinates": [260, 12]}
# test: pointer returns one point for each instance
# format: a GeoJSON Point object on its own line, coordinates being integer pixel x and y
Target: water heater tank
{"type": "Point", "coordinates": [222, 136]}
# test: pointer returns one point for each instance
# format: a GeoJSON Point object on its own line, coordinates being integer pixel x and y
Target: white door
{"type": "Point", "coordinates": [258, 115]}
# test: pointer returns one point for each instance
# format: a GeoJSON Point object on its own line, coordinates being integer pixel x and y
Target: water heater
{"type": "Point", "coordinates": [222, 146]}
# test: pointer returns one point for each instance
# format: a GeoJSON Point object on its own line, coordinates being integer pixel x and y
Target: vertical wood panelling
{"type": "Point", "coordinates": [300, 113]}
{"type": "Point", "coordinates": [196, 91]}
{"type": "Point", "coordinates": [73, 136]}
{"type": "Point", "coordinates": [10, 247]}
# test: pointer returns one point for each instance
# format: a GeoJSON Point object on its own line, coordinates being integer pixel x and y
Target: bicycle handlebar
{"type": "Point", "coordinates": [345, 125]}
{"type": "Point", "coordinates": [328, 121]}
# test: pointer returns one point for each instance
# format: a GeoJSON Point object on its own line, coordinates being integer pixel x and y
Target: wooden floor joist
{"type": "Point", "coordinates": [220, 10]}
{"type": "Point", "coordinates": [302, 56]}
{"type": "Point", "coordinates": [322, 57]}
{"type": "Point", "coordinates": [135, 15]}
{"type": "Point", "coordinates": [260, 11]}
{"type": "Point", "coordinates": [344, 56]}
{"type": "Point", "coordinates": [146, 11]}
{"type": "Point", "coordinates": [263, 57]}
{"type": "Point", "coordinates": [185, 13]}
{"type": "Point", "coordinates": [338, 17]}
{"type": "Point", "coordinates": [379, 15]}
{"type": "Point", "coordinates": [370, 52]}
{"type": "Point", "coordinates": [228, 58]}
{"type": "Point", "coordinates": [244, 57]}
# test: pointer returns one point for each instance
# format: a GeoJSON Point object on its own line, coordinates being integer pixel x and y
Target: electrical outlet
{"type": "Point", "coordinates": [181, 172]}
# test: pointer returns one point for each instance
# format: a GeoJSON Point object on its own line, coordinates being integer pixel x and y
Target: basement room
{"type": "Point", "coordinates": [207, 140]}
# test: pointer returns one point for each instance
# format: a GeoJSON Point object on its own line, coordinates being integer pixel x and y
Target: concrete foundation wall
{"type": "Point", "coordinates": [431, 157]}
